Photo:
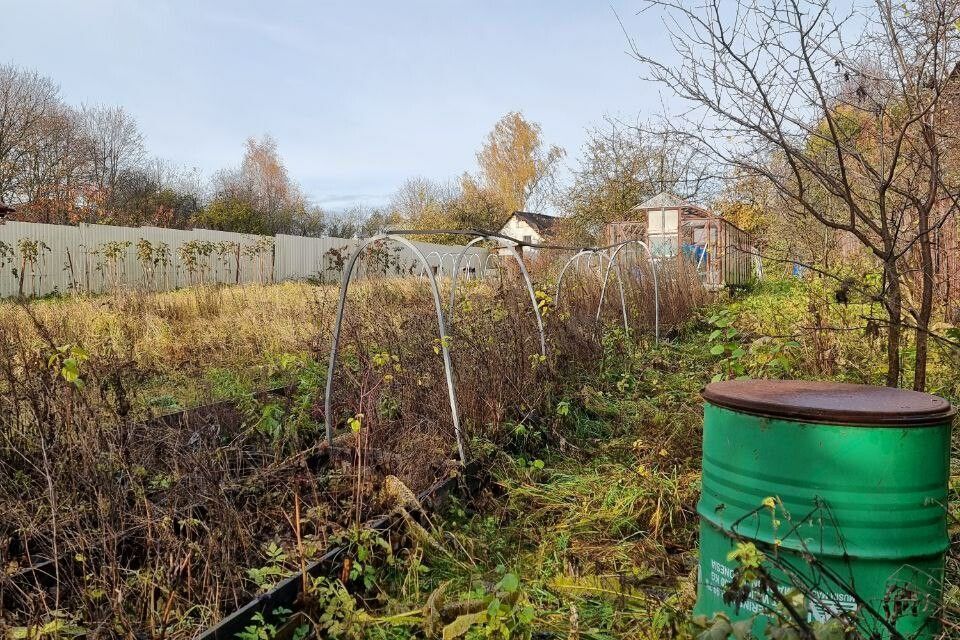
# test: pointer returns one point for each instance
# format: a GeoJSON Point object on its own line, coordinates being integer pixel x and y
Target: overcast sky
{"type": "Point", "coordinates": [359, 95]}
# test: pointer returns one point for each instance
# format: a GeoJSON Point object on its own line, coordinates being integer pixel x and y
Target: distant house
{"type": "Point", "coordinates": [534, 228]}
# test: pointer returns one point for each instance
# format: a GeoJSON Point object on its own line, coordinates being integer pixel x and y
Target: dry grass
{"type": "Point", "coordinates": [173, 339]}
{"type": "Point", "coordinates": [155, 524]}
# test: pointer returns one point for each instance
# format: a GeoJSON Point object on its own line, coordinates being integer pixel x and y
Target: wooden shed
{"type": "Point", "coordinates": [672, 226]}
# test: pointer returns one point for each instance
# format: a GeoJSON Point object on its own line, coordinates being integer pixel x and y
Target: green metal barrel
{"type": "Point", "coordinates": [837, 491]}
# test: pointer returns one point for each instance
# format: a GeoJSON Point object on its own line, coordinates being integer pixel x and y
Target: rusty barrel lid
{"type": "Point", "coordinates": [830, 402]}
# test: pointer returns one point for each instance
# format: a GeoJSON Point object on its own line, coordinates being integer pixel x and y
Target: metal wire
{"type": "Point", "coordinates": [476, 263]}
{"type": "Point", "coordinates": [443, 261]}
{"type": "Point", "coordinates": [427, 266]}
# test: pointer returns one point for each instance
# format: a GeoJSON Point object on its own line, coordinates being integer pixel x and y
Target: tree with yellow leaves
{"type": "Point", "coordinates": [746, 201]}
{"type": "Point", "coordinates": [516, 173]}
{"type": "Point", "coordinates": [516, 167]}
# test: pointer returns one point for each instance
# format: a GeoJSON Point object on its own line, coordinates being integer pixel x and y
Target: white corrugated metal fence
{"type": "Point", "coordinates": [41, 259]}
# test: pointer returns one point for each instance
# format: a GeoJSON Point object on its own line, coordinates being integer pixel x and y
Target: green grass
{"type": "Point", "coordinates": [592, 506]}
{"type": "Point", "coordinates": [591, 500]}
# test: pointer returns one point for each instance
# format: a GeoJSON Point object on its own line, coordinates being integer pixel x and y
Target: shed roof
{"type": "Point", "coordinates": [665, 200]}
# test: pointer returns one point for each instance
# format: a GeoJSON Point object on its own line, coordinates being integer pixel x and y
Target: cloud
{"type": "Point", "coordinates": [285, 35]}
{"type": "Point", "coordinates": [341, 201]}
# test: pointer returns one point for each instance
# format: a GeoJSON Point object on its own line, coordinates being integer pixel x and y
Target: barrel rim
{"type": "Point", "coordinates": [835, 403]}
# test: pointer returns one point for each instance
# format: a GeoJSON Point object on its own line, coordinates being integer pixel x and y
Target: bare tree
{"type": "Point", "coordinates": [156, 193]}
{"type": "Point", "coordinates": [114, 148]}
{"type": "Point", "coordinates": [421, 202]}
{"type": "Point", "coordinates": [26, 100]}
{"type": "Point", "coordinates": [845, 116]}
{"type": "Point", "coordinates": [51, 171]}
{"type": "Point", "coordinates": [461, 204]}
{"type": "Point", "coordinates": [624, 164]}
{"type": "Point", "coordinates": [63, 166]}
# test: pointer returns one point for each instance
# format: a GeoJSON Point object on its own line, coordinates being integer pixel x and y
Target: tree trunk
{"type": "Point", "coordinates": [23, 271]}
{"type": "Point", "coordinates": [894, 306]}
{"type": "Point", "coordinates": [926, 303]}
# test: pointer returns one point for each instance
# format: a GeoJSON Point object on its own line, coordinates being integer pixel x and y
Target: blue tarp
{"type": "Point", "coordinates": [695, 252]}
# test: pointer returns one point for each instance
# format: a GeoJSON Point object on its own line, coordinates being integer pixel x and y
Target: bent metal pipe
{"type": "Point", "coordinates": [600, 254]}
{"type": "Point", "coordinates": [526, 279]}
{"type": "Point", "coordinates": [338, 322]}
{"type": "Point", "coordinates": [507, 243]}
{"type": "Point", "coordinates": [656, 287]}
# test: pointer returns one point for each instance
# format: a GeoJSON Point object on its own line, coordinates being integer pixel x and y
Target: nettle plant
{"type": "Point", "coordinates": [740, 357]}
{"type": "Point", "coordinates": [32, 253]}
{"type": "Point", "coordinates": [369, 555]}
{"type": "Point", "coordinates": [154, 259]}
{"type": "Point", "coordinates": [113, 266]}
{"type": "Point", "coordinates": [265, 626]}
{"type": "Point", "coordinates": [288, 425]}
{"type": "Point", "coordinates": [273, 570]}
{"type": "Point", "coordinates": [195, 255]}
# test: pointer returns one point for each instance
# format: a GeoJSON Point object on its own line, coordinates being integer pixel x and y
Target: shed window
{"type": "Point", "coordinates": [663, 221]}
{"type": "Point", "coordinates": [664, 244]}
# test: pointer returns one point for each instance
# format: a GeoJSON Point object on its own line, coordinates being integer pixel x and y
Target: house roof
{"type": "Point", "coordinates": [541, 222]}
